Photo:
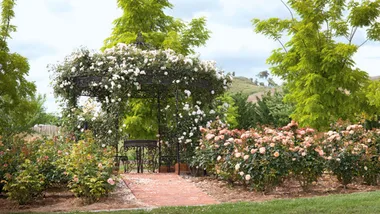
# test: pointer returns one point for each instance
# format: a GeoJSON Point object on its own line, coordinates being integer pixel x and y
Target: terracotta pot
{"type": "Point", "coordinates": [165, 169]}
{"type": "Point", "coordinates": [184, 168]}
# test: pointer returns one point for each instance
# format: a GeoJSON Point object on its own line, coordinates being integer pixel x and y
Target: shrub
{"type": "Point", "coordinates": [89, 167]}
{"type": "Point", "coordinates": [25, 184]}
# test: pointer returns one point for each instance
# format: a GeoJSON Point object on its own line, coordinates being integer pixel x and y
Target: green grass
{"type": "Point", "coordinates": [351, 203]}
{"type": "Point", "coordinates": [245, 86]}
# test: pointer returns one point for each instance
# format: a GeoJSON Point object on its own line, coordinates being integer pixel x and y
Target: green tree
{"type": "Point", "coordinates": [158, 29]}
{"type": "Point", "coordinates": [15, 90]}
{"type": "Point", "coordinates": [316, 63]}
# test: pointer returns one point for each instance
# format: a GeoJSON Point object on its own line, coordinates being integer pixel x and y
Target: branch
{"type": "Point", "coordinates": [363, 43]}
{"type": "Point", "coordinates": [352, 34]}
{"type": "Point", "coordinates": [282, 45]}
{"type": "Point", "coordinates": [291, 13]}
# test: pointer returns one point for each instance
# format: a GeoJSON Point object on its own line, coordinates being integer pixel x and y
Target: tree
{"type": "Point", "coordinates": [158, 29]}
{"type": "Point", "coordinates": [263, 75]}
{"type": "Point", "coordinates": [15, 90]}
{"type": "Point", "coordinates": [316, 63]}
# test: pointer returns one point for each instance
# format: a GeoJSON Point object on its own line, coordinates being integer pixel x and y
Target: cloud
{"type": "Point", "coordinates": [48, 30]}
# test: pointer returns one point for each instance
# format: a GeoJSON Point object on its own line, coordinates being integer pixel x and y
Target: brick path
{"type": "Point", "coordinates": [166, 189]}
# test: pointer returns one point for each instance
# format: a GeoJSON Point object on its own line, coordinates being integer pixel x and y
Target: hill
{"type": "Point", "coordinates": [245, 86]}
{"type": "Point", "coordinates": [375, 78]}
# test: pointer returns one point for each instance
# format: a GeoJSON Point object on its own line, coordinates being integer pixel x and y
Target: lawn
{"type": "Point", "coordinates": [351, 203]}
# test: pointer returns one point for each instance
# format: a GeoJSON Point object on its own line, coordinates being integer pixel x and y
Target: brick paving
{"type": "Point", "coordinates": [166, 189]}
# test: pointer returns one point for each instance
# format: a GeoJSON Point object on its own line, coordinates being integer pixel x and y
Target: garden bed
{"type": "Point", "coordinates": [225, 192]}
{"type": "Point", "coordinates": [62, 200]}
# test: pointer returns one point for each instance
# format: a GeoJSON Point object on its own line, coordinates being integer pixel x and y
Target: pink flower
{"type": "Point", "coordinates": [262, 150]}
{"type": "Point", "coordinates": [111, 181]}
{"type": "Point", "coordinates": [238, 154]}
{"type": "Point", "coordinates": [239, 141]}
{"type": "Point", "coordinates": [210, 136]}
{"type": "Point", "coordinates": [272, 145]}
{"type": "Point", "coordinates": [224, 131]}
{"type": "Point", "coordinates": [100, 165]}
{"type": "Point", "coordinates": [75, 179]}
{"type": "Point", "coordinates": [246, 157]}
{"type": "Point", "coordinates": [253, 151]}
{"type": "Point", "coordinates": [218, 158]}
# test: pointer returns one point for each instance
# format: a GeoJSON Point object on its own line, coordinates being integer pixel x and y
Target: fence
{"type": "Point", "coordinates": [49, 130]}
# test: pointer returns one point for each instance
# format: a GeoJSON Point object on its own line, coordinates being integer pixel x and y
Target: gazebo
{"type": "Point", "coordinates": [128, 72]}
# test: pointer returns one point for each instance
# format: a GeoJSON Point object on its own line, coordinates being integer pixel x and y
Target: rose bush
{"type": "Point", "coordinates": [263, 158]}
{"type": "Point", "coordinates": [89, 167]}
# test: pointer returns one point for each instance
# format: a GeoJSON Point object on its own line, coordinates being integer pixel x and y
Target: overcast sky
{"type": "Point", "coordinates": [48, 30]}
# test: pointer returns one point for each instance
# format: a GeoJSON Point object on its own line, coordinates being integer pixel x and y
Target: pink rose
{"type": "Point", "coordinates": [262, 150]}
{"type": "Point", "coordinates": [111, 181]}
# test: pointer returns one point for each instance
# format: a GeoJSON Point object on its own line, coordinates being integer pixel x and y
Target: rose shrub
{"type": "Point", "coordinates": [89, 168]}
{"type": "Point", "coordinates": [263, 159]}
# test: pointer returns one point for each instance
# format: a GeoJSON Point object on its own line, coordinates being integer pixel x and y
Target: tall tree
{"type": "Point", "coordinates": [316, 62]}
{"type": "Point", "coordinates": [15, 90]}
{"type": "Point", "coordinates": [158, 29]}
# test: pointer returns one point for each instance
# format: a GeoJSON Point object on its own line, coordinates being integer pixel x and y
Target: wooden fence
{"type": "Point", "coordinates": [49, 130]}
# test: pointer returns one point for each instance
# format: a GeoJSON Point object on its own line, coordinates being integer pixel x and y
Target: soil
{"type": "Point", "coordinates": [62, 200]}
{"type": "Point", "coordinates": [226, 192]}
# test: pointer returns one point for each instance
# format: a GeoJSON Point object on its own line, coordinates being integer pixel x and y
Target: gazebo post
{"type": "Point", "coordinates": [159, 128]}
{"type": "Point", "coordinates": [176, 119]}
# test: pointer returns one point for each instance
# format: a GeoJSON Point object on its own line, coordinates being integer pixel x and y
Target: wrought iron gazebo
{"type": "Point", "coordinates": [158, 87]}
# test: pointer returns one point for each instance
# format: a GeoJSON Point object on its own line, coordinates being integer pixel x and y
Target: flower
{"type": "Point", "coordinates": [246, 157]}
{"type": "Point", "coordinates": [276, 154]}
{"type": "Point", "coordinates": [253, 151]}
{"type": "Point", "coordinates": [262, 150]}
{"type": "Point", "coordinates": [238, 155]}
{"type": "Point", "coordinates": [241, 173]}
{"type": "Point", "coordinates": [247, 177]}
{"type": "Point", "coordinates": [219, 158]}
{"type": "Point", "coordinates": [100, 165]}
{"type": "Point", "coordinates": [237, 166]}
{"type": "Point", "coordinates": [210, 136]}
{"type": "Point", "coordinates": [111, 181]}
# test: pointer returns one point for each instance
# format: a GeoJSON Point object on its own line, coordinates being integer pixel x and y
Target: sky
{"type": "Point", "coordinates": [49, 30]}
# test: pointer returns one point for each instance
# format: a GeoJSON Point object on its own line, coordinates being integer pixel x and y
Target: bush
{"type": "Point", "coordinates": [263, 159]}
{"type": "Point", "coordinates": [89, 168]}
{"type": "Point", "coordinates": [26, 184]}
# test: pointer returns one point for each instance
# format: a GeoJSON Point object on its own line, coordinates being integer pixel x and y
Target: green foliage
{"type": "Point", "coordinates": [246, 112]}
{"type": "Point", "coordinates": [318, 68]}
{"type": "Point", "coordinates": [159, 30]}
{"type": "Point", "coordinates": [227, 110]}
{"type": "Point", "coordinates": [272, 110]}
{"type": "Point", "coordinates": [90, 168]}
{"type": "Point", "coordinates": [26, 184]}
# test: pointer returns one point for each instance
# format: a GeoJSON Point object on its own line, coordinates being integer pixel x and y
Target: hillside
{"type": "Point", "coordinates": [375, 78]}
{"type": "Point", "coordinates": [245, 86]}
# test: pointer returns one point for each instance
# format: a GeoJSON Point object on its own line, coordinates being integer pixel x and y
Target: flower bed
{"type": "Point", "coordinates": [28, 167]}
{"type": "Point", "coordinates": [263, 159]}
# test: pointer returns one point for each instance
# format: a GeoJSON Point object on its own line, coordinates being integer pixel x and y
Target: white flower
{"type": "Point", "coordinates": [103, 145]}
{"type": "Point", "coordinates": [163, 68]}
{"type": "Point", "coordinates": [119, 86]}
{"type": "Point", "coordinates": [219, 157]}
{"type": "Point", "coordinates": [166, 73]}
{"type": "Point", "coordinates": [73, 69]}
{"type": "Point", "coordinates": [241, 173]}
{"type": "Point", "coordinates": [109, 131]}
{"type": "Point", "coordinates": [212, 111]}
{"type": "Point", "coordinates": [212, 92]}
{"type": "Point", "coordinates": [237, 166]}
{"type": "Point", "coordinates": [188, 60]}
{"type": "Point", "coordinates": [247, 177]}
{"type": "Point", "coordinates": [188, 93]}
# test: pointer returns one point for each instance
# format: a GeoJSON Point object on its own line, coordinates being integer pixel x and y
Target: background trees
{"type": "Point", "coordinates": [158, 29]}
{"type": "Point", "coordinates": [316, 62]}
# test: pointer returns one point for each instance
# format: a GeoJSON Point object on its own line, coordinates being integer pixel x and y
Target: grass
{"type": "Point", "coordinates": [351, 203]}
{"type": "Point", "coordinates": [245, 86]}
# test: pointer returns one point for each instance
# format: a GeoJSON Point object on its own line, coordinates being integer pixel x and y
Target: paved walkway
{"type": "Point", "coordinates": [166, 189]}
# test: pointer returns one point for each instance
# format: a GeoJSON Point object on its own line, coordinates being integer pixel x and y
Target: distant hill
{"type": "Point", "coordinates": [375, 78]}
{"type": "Point", "coordinates": [245, 86]}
